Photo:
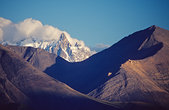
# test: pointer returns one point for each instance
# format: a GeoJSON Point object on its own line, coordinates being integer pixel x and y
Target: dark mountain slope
{"type": "Point", "coordinates": [37, 90]}
{"type": "Point", "coordinates": [145, 79]}
{"type": "Point", "coordinates": [89, 74]}
{"type": "Point", "coordinates": [10, 97]}
{"type": "Point", "coordinates": [134, 69]}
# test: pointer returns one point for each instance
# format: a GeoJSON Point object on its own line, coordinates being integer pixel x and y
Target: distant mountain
{"type": "Point", "coordinates": [23, 87]}
{"type": "Point", "coordinates": [32, 33]}
{"type": "Point", "coordinates": [134, 69]}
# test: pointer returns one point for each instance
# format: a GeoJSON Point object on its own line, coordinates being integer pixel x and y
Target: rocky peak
{"type": "Point", "coordinates": [47, 37]}
{"type": "Point", "coordinates": [152, 27]}
{"type": "Point", "coordinates": [62, 37]}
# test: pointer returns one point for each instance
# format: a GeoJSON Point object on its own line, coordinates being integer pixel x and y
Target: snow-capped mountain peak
{"type": "Point", "coordinates": [33, 33]}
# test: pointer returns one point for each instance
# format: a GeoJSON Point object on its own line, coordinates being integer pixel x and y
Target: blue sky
{"type": "Point", "coordinates": [93, 21]}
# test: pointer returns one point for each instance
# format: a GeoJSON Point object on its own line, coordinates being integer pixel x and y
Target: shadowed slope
{"type": "Point", "coordinates": [141, 79]}
{"type": "Point", "coordinates": [89, 74]}
{"type": "Point", "coordinates": [134, 69]}
{"type": "Point", "coordinates": [43, 91]}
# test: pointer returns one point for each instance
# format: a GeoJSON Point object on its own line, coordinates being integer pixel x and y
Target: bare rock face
{"type": "Point", "coordinates": [24, 87]}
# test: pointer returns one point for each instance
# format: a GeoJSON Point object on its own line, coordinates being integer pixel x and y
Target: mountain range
{"type": "Point", "coordinates": [132, 74]}
{"type": "Point", "coordinates": [34, 34]}
{"type": "Point", "coordinates": [24, 87]}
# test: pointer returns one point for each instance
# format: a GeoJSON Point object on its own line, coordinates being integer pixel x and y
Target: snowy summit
{"type": "Point", "coordinates": [33, 33]}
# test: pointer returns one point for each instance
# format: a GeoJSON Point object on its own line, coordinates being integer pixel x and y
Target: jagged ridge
{"type": "Point", "coordinates": [34, 34]}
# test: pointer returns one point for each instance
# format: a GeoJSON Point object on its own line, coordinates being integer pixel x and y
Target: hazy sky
{"type": "Point", "coordinates": [96, 22]}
